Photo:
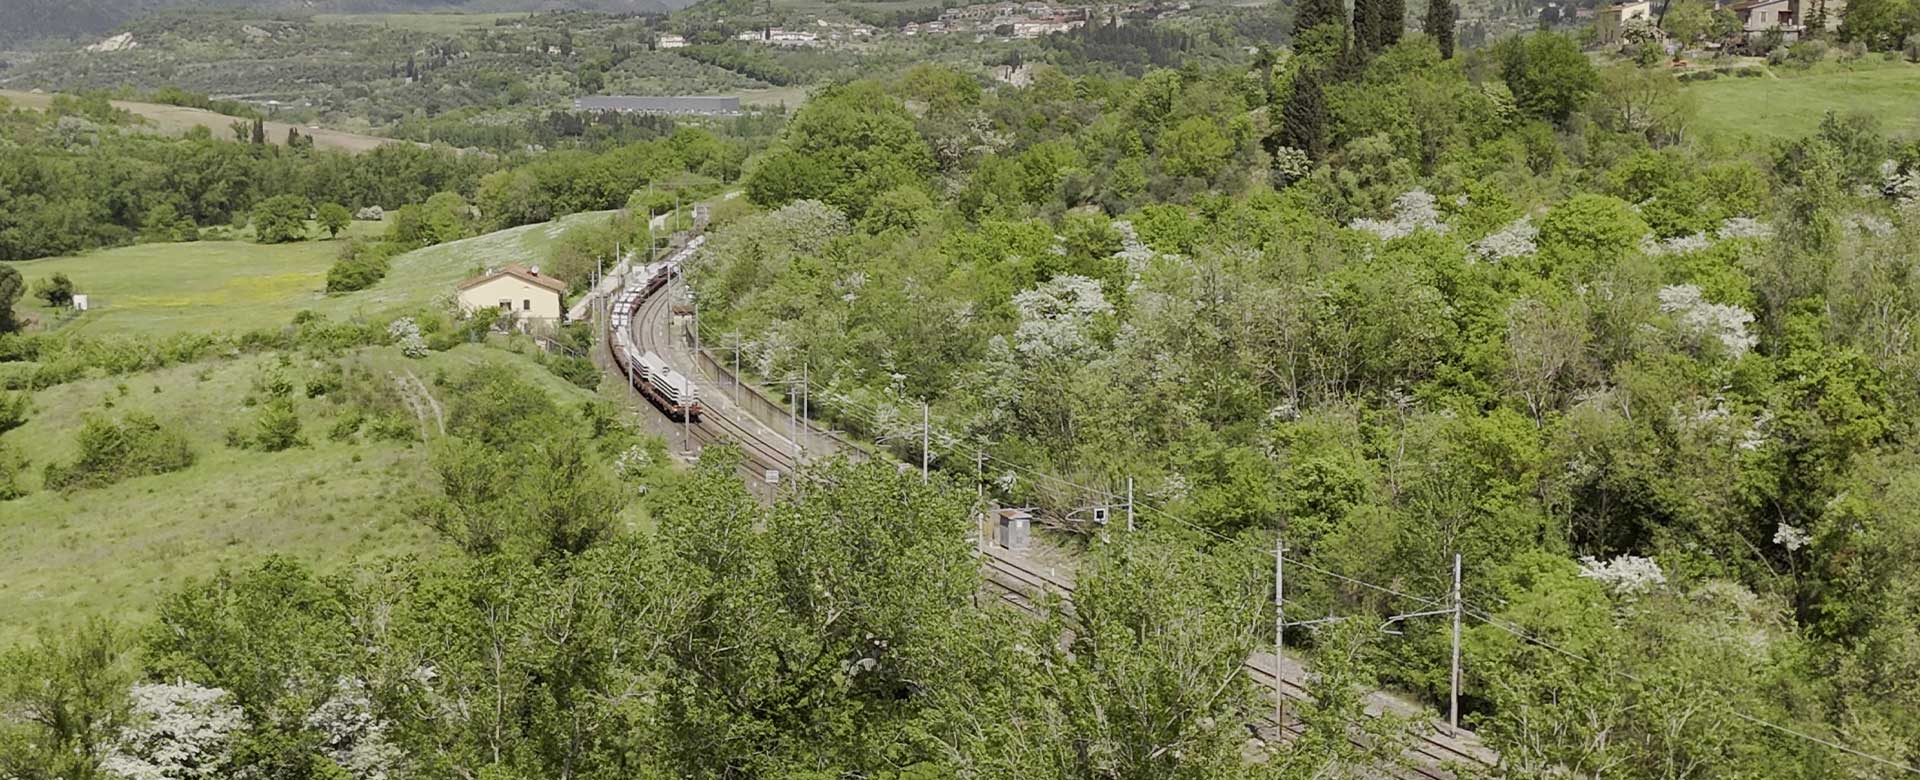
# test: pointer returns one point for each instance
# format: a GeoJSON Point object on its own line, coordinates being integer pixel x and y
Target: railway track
{"type": "Point", "coordinates": [1429, 757]}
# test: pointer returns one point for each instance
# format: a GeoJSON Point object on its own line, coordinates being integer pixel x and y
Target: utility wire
{"type": "Point", "coordinates": [1466, 609]}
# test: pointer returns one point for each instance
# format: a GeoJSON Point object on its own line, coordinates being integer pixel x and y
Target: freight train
{"type": "Point", "coordinates": [669, 390]}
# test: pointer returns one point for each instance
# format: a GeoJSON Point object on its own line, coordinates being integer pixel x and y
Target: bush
{"type": "Point", "coordinates": [579, 371]}
{"type": "Point", "coordinates": [13, 410]}
{"type": "Point", "coordinates": [348, 425]}
{"type": "Point", "coordinates": [56, 290]}
{"type": "Point", "coordinates": [12, 465]}
{"type": "Point", "coordinates": [278, 427]}
{"type": "Point", "coordinates": [110, 452]}
{"type": "Point", "coordinates": [1805, 53]}
{"type": "Point", "coordinates": [360, 264]}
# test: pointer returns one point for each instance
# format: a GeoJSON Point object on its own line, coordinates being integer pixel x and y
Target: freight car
{"type": "Point", "coordinates": [668, 390]}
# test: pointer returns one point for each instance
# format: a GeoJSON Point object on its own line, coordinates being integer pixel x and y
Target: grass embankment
{"type": "Point", "coordinates": [115, 550]}
{"type": "Point", "coordinates": [233, 286]}
{"type": "Point", "coordinates": [1790, 104]}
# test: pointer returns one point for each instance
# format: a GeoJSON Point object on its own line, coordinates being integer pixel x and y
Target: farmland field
{"type": "Point", "coordinates": [109, 550]}
{"type": "Point", "coordinates": [177, 120]}
{"type": "Point", "coordinates": [162, 289]}
{"type": "Point", "coordinates": [438, 24]}
{"type": "Point", "coordinates": [1792, 105]}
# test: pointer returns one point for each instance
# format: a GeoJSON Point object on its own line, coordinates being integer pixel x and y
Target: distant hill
{"type": "Point", "coordinates": [28, 20]}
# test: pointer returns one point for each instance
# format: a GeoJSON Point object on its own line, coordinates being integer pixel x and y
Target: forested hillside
{"type": "Point", "coordinates": [81, 19]}
{"type": "Point", "coordinates": [1487, 356]}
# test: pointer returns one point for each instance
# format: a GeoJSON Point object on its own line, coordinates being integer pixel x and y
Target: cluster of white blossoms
{"type": "Point", "coordinates": [1625, 575]}
{"type": "Point", "coordinates": [1724, 322]}
{"type": "Point", "coordinates": [1870, 224]}
{"type": "Point", "coordinates": [1791, 538]}
{"type": "Point", "coordinates": [1413, 211]}
{"type": "Point", "coordinates": [177, 732]}
{"type": "Point", "coordinates": [1729, 229]}
{"type": "Point", "coordinates": [1513, 241]}
{"type": "Point", "coordinates": [633, 463]}
{"type": "Point", "coordinates": [405, 334]}
{"type": "Point", "coordinates": [351, 736]}
{"type": "Point", "coordinates": [1743, 227]}
{"type": "Point", "coordinates": [1054, 316]}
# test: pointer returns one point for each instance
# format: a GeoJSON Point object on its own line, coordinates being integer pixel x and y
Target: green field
{"type": "Point", "coordinates": [162, 289]}
{"type": "Point", "coordinates": [1792, 105]}
{"type": "Point", "coordinates": [440, 24]}
{"type": "Point", "coordinates": [114, 550]}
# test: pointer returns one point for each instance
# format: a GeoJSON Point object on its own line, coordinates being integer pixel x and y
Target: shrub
{"type": "Point", "coordinates": [579, 371]}
{"type": "Point", "coordinates": [12, 465]}
{"type": "Point", "coordinates": [360, 264]}
{"type": "Point", "coordinates": [56, 290]}
{"type": "Point", "coordinates": [348, 425]}
{"type": "Point", "coordinates": [393, 426]}
{"type": "Point", "coordinates": [110, 452]}
{"type": "Point", "coordinates": [13, 410]}
{"type": "Point", "coordinates": [278, 427]}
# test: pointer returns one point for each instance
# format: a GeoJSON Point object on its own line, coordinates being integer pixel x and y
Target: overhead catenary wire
{"type": "Point", "coordinates": [1466, 607]}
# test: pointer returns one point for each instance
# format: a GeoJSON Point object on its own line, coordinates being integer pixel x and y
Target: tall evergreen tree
{"type": "Point", "coordinates": [1303, 121]}
{"type": "Point", "coordinates": [1366, 26]}
{"type": "Point", "coordinates": [1439, 25]}
{"type": "Point", "coordinates": [259, 131]}
{"type": "Point", "coordinates": [1392, 22]}
{"type": "Point", "coordinates": [1313, 13]}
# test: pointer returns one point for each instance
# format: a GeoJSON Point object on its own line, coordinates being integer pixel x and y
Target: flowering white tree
{"type": "Point", "coordinates": [405, 334]}
{"type": "Point", "coordinates": [1055, 316]}
{"type": "Point", "coordinates": [1626, 575]}
{"type": "Point", "coordinates": [177, 732]}
{"type": "Point", "coordinates": [1414, 211]}
{"type": "Point", "coordinates": [351, 736]}
{"type": "Point", "coordinates": [1723, 322]}
{"type": "Point", "coordinates": [1513, 241]}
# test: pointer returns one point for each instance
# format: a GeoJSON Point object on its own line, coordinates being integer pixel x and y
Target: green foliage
{"type": "Point", "coordinates": [11, 286]}
{"type": "Point", "coordinates": [1548, 75]}
{"type": "Point", "coordinates": [135, 446]}
{"type": "Point", "coordinates": [56, 290]}
{"type": "Point", "coordinates": [333, 218]}
{"type": "Point", "coordinates": [14, 407]}
{"type": "Point", "coordinates": [361, 264]}
{"type": "Point", "coordinates": [280, 219]}
{"type": "Point", "coordinates": [846, 147]}
{"type": "Point", "coordinates": [66, 698]}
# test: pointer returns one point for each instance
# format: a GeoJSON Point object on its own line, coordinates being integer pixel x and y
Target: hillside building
{"type": "Point", "coordinates": [524, 294]}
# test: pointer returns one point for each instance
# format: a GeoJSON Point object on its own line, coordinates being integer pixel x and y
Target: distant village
{"type": "Point", "coordinates": [1013, 20]}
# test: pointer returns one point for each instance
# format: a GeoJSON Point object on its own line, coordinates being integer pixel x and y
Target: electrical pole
{"type": "Point", "coordinates": [1279, 635]}
{"type": "Point", "coordinates": [1453, 696]}
{"type": "Point", "coordinates": [926, 440]}
{"type": "Point", "coordinates": [1129, 504]}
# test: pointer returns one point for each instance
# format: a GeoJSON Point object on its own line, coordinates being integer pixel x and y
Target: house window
{"type": "Point", "coordinates": [506, 305]}
{"type": "Point", "coordinates": [526, 304]}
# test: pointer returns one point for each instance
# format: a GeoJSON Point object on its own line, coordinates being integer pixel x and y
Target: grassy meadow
{"type": "Point", "coordinates": [1790, 104]}
{"type": "Point", "coordinates": [115, 550]}
{"type": "Point", "coordinates": [436, 24]}
{"type": "Point", "coordinates": [163, 289]}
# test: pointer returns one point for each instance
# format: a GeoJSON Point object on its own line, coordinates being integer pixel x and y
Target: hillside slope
{"type": "Point", "coordinates": [79, 19]}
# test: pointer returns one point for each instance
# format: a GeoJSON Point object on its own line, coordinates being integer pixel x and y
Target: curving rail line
{"type": "Point", "coordinates": [1430, 756]}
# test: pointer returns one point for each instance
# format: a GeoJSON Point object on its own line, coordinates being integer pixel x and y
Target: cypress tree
{"type": "Point", "coordinates": [1392, 22]}
{"type": "Point", "coordinates": [1303, 121]}
{"type": "Point", "coordinates": [1366, 26]}
{"type": "Point", "coordinates": [259, 131]}
{"type": "Point", "coordinates": [1313, 13]}
{"type": "Point", "coordinates": [1439, 25]}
